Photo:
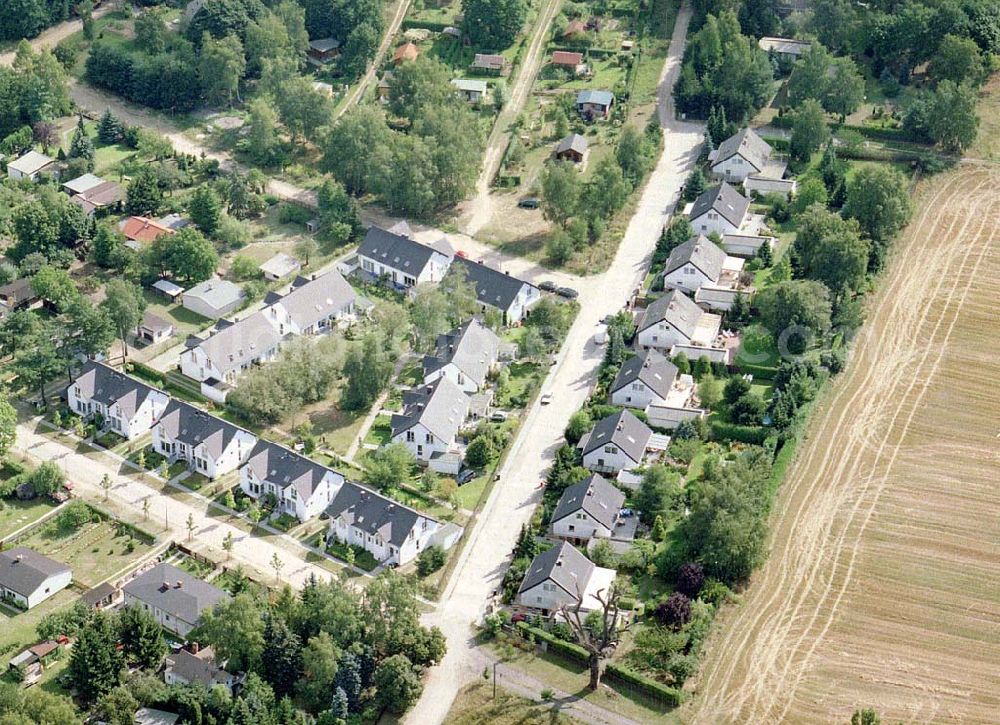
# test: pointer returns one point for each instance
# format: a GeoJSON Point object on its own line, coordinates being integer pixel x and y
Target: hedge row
{"type": "Point", "coordinates": [650, 687]}
{"type": "Point", "coordinates": [743, 433]}
{"type": "Point", "coordinates": [426, 25]}
{"type": "Point", "coordinates": [572, 651]}
{"type": "Point", "coordinates": [145, 372]}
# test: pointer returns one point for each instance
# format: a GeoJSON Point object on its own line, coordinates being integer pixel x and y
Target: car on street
{"type": "Point", "coordinates": [547, 286]}
{"type": "Point", "coordinates": [567, 292]}
{"type": "Point", "coordinates": [546, 398]}
{"type": "Point", "coordinates": [529, 203]}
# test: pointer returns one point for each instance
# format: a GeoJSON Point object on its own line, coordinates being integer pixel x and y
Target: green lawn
{"type": "Point", "coordinates": [434, 11]}
{"type": "Point", "coordinates": [17, 628]}
{"type": "Point", "coordinates": [468, 495]}
{"type": "Point", "coordinates": [525, 377]}
{"type": "Point", "coordinates": [16, 514]}
{"type": "Point", "coordinates": [475, 705]}
{"type": "Point", "coordinates": [758, 348]}
{"type": "Point", "coordinates": [185, 321]}
{"type": "Point", "coordinates": [362, 558]}
{"type": "Point", "coordinates": [381, 431]}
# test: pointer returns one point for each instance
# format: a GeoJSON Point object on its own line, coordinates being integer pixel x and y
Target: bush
{"type": "Point", "coordinates": [569, 650]}
{"type": "Point", "coordinates": [675, 611]}
{"type": "Point", "coordinates": [690, 579]}
{"type": "Point", "coordinates": [294, 214]}
{"type": "Point", "coordinates": [671, 696]}
{"type": "Point", "coordinates": [430, 560]}
{"type": "Point", "coordinates": [75, 515]}
{"type": "Point", "coordinates": [147, 373]}
{"type": "Point", "coordinates": [741, 433]}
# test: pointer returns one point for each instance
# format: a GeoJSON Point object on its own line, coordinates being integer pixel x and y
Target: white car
{"type": "Point", "coordinates": [546, 398]}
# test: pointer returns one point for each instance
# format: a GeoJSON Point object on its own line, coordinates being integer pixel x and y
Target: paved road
{"type": "Point", "coordinates": [479, 210]}
{"type": "Point", "coordinates": [484, 558]}
{"type": "Point", "coordinates": [86, 471]}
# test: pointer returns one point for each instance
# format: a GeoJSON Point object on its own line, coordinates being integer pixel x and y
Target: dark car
{"type": "Point", "coordinates": [567, 292]}
{"type": "Point", "coordinates": [529, 203]}
{"type": "Point", "coordinates": [464, 476]}
{"type": "Point", "coordinates": [547, 286]}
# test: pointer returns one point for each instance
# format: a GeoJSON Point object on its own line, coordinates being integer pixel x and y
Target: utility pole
{"type": "Point", "coordinates": [495, 680]}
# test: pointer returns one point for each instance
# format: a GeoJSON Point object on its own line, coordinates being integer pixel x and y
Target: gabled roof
{"type": "Point", "coordinates": [141, 229]}
{"type": "Point", "coordinates": [374, 514]}
{"type": "Point", "coordinates": [489, 61]}
{"type": "Point", "coordinates": [407, 51]}
{"type": "Point", "coordinates": [396, 251]}
{"type": "Point", "coordinates": [469, 85]}
{"type": "Point", "coordinates": [675, 308]}
{"type": "Point", "coordinates": [313, 300]}
{"type": "Point", "coordinates": [493, 287]}
{"type": "Point", "coordinates": [700, 251]}
{"type": "Point", "coordinates": [23, 570]}
{"type": "Point", "coordinates": [650, 368]}
{"type": "Point", "coordinates": [747, 144]}
{"type": "Point", "coordinates": [567, 57]}
{"type": "Point", "coordinates": [283, 467]}
{"type": "Point", "coordinates": [107, 386]}
{"type": "Point", "coordinates": [574, 27]}
{"type": "Point", "coordinates": [562, 564]}
{"type": "Point", "coordinates": [30, 163]}
{"type": "Point", "coordinates": [573, 142]}
{"type": "Point", "coordinates": [599, 98]}
{"type": "Point", "coordinates": [175, 592]}
{"type": "Point", "coordinates": [723, 199]}
{"type": "Point", "coordinates": [217, 293]}
{"type": "Point", "coordinates": [200, 668]}
{"type": "Point", "coordinates": [324, 45]}
{"type": "Point", "coordinates": [83, 183]}
{"type": "Point", "coordinates": [441, 407]}
{"type": "Point", "coordinates": [593, 495]}
{"type": "Point", "coordinates": [239, 343]}
{"type": "Point", "coordinates": [185, 423]}
{"type": "Point", "coordinates": [472, 348]}
{"type": "Point", "coordinates": [104, 194]}
{"type": "Point", "coordinates": [155, 323]}
{"type": "Point", "coordinates": [19, 291]}
{"type": "Point", "coordinates": [623, 430]}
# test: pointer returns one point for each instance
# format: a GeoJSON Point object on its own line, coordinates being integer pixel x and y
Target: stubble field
{"type": "Point", "coordinates": [882, 588]}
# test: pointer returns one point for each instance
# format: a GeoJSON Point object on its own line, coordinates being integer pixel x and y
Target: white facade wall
{"type": "Point", "coordinates": [608, 459]}
{"type": "Point", "coordinates": [524, 301]}
{"type": "Point", "coordinates": [548, 596]}
{"type": "Point", "coordinates": [383, 551]}
{"type": "Point", "coordinates": [635, 395]}
{"type": "Point", "coordinates": [452, 372]}
{"type": "Point", "coordinates": [46, 589]}
{"type": "Point", "coordinates": [433, 271]}
{"type": "Point", "coordinates": [661, 336]}
{"type": "Point", "coordinates": [735, 168]}
{"type": "Point", "coordinates": [168, 621]}
{"type": "Point", "coordinates": [580, 526]}
{"type": "Point", "coordinates": [114, 419]}
{"type": "Point", "coordinates": [200, 460]}
{"type": "Point", "coordinates": [712, 221]}
{"type": "Point", "coordinates": [289, 500]}
{"type": "Point", "coordinates": [688, 278]}
{"type": "Point", "coordinates": [422, 443]}
{"type": "Point", "coordinates": [197, 365]}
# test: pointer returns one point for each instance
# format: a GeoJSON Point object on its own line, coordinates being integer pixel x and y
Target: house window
{"type": "Point", "coordinates": [572, 527]}
{"type": "Point", "coordinates": [689, 270]}
{"type": "Point", "coordinates": [410, 437]}
{"type": "Point", "coordinates": [428, 438]}
{"type": "Point", "coordinates": [409, 281]}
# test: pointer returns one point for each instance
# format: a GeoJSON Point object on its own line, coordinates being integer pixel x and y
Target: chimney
{"type": "Point", "coordinates": [165, 586]}
{"type": "Point", "coordinates": [195, 648]}
{"type": "Point", "coordinates": [179, 584]}
{"type": "Point", "coordinates": [20, 558]}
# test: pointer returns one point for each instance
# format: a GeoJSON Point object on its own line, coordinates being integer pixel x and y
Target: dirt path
{"type": "Point", "coordinates": [51, 37]}
{"type": "Point", "coordinates": [883, 583]}
{"type": "Point", "coordinates": [479, 211]}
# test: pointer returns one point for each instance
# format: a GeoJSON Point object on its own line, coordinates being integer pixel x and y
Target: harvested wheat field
{"type": "Point", "coordinates": [882, 588]}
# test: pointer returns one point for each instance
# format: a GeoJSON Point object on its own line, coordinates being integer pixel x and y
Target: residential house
{"type": "Point", "coordinates": [176, 599]}
{"type": "Point", "coordinates": [280, 266]}
{"type": "Point", "coordinates": [301, 487]}
{"type": "Point", "coordinates": [210, 445]}
{"type": "Point", "coordinates": [323, 50]}
{"type": "Point", "coordinates": [563, 577]}
{"type": "Point", "coordinates": [230, 349]}
{"type": "Point", "coordinates": [572, 148]}
{"type": "Point", "coordinates": [489, 64]}
{"type": "Point", "coordinates": [784, 47]}
{"type": "Point", "coordinates": [150, 715]}
{"type": "Point", "coordinates": [401, 260]}
{"type": "Point", "coordinates": [617, 443]}
{"type": "Point", "coordinates": [679, 404]}
{"type": "Point", "coordinates": [587, 510]}
{"type": "Point", "coordinates": [513, 297]}
{"type": "Point", "coordinates": [140, 231]}
{"type": "Point", "coordinates": [81, 184]}
{"type": "Point", "coordinates": [674, 319]}
{"type": "Point", "coordinates": [466, 356]}
{"type": "Point", "coordinates": [19, 295]}
{"type": "Point", "coordinates": [472, 91]}
{"type": "Point", "coordinates": [745, 245]}
{"type": "Point", "coordinates": [643, 379]}
{"type": "Point", "coordinates": [720, 209]}
{"type": "Point", "coordinates": [196, 665]}
{"type": "Point", "coordinates": [594, 104]}
{"type": "Point", "coordinates": [154, 329]}
{"type": "Point", "coordinates": [107, 196]}
{"type": "Point", "coordinates": [312, 306]}
{"type": "Point", "coordinates": [214, 298]}
{"type": "Point", "coordinates": [701, 267]}
{"type": "Point", "coordinates": [128, 406]}
{"type": "Point", "coordinates": [568, 59]}
{"type": "Point", "coordinates": [742, 154]}
{"type": "Point", "coordinates": [28, 578]}
{"type": "Point", "coordinates": [429, 424]}
{"type": "Point", "coordinates": [30, 166]}
{"type": "Point", "coordinates": [391, 532]}
{"type": "Point", "coordinates": [103, 596]}
{"type": "Point", "coordinates": [405, 52]}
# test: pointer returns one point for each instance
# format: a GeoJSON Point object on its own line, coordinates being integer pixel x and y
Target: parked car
{"type": "Point", "coordinates": [546, 398]}
{"type": "Point", "coordinates": [498, 416]}
{"type": "Point", "coordinates": [547, 286]}
{"type": "Point", "coordinates": [529, 203]}
{"type": "Point", "coordinates": [601, 336]}
{"type": "Point", "coordinates": [567, 292]}
{"type": "Point", "coordinates": [465, 475]}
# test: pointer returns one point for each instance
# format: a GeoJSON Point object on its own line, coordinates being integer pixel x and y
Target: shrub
{"type": "Point", "coordinates": [715, 592]}
{"type": "Point", "coordinates": [75, 515]}
{"type": "Point", "coordinates": [741, 433]}
{"type": "Point", "coordinates": [430, 560]}
{"type": "Point", "coordinates": [569, 650]}
{"type": "Point", "coordinates": [670, 696]}
{"type": "Point", "coordinates": [690, 579]}
{"type": "Point", "coordinates": [675, 611]}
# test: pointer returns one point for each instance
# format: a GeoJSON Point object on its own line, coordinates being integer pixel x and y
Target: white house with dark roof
{"type": "Point", "coordinates": [128, 406]}
{"type": "Point", "coordinates": [675, 319]}
{"type": "Point", "coordinates": [302, 487]}
{"type": "Point", "coordinates": [587, 510]}
{"type": "Point", "coordinates": [617, 443]}
{"type": "Point", "coordinates": [466, 356]}
{"type": "Point", "coordinates": [741, 155]}
{"type": "Point", "coordinates": [210, 445]}
{"type": "Point", "coordinates": [28, 578]}
{"type": "Point", "coordinates": [176, 599]}
{"type": "Point", "coordinates": [429, 424]}
{"type": "Point", "coordinates": [701, 267]}
{"type": "Point", "coordinates": [213, 298]}
{"type": "Point", "coordinates": [312, 306]}
{"type": "Point", "coordinates": [196, 665]}
{"type": "Point", "coordinates": [401, 260]}
{"type": "Point", "coordinates": [513, 297]}
{"type": "Point", "coordinates": [389, 531]}
{"type": "Point", "coordinates": [563, 577]}
{"type": "Point", "coordinates": [720, 209]}
{"type": "Point", "coordinates": [230, 348]}
{"type": "Point", "coordinates": [643, 379]}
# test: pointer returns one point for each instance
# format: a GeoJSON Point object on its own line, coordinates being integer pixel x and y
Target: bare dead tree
{"type": "Point", "coordinates": [602, 641]}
